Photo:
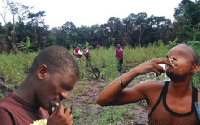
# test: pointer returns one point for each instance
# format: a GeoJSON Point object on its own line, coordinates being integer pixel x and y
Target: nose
{"type": "Point", "coordinates": [63, 95]}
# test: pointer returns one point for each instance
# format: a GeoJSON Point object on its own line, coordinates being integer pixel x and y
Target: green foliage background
{"type": "Point", "coordinates": [15, 66]}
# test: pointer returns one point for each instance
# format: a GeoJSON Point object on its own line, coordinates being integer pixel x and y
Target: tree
{"type": "Point", "coordinates": [187, 17]}
{"type": "Point", "coordinates": [3, 15]}
{"type": "Point", "coordinates": [36, 19]}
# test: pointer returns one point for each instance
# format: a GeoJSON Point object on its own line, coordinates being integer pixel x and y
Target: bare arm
{"type": "Point", "coordinates": [114, 94]}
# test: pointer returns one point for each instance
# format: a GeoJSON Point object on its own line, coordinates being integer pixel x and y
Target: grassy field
{"type": "Point", "coordinates": [13, 68]}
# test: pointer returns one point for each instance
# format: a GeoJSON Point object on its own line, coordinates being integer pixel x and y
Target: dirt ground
{"type": "Point", "coordinates": [84, 94]}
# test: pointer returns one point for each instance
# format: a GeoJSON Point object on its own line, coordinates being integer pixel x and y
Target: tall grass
{"type": "Point", "coordinates": [14, 67]}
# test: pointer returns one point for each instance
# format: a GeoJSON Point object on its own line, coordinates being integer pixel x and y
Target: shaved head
{"type": "Point", "coordinates": [189, 50]}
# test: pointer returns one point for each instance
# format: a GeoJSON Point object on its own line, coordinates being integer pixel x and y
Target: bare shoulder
{"type": "Point", "coordinates": [152, 91]}
{"type": "Point", "coordinates": [149, 88]}
{"type": "Point", "coordinates": [152, 84]}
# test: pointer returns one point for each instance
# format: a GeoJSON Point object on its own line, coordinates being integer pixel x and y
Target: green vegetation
{"type": "Point", "coordinates": [20, 42]}
{"type": "Point", "coordinates": [103, 62]}
{"type": "Point", "coordinates": [14, 68]}
{"type": "Point", "coordinates": [30, 33]}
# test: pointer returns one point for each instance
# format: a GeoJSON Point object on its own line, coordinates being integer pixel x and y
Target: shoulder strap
{"type": "Point", "coordinates": [161, 95]}
{"type": "Point", "coordinates": [194, 99]}
{"type": "Point", "coordinates": [194, 94]}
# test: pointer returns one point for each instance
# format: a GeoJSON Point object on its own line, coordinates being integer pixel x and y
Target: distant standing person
{"type": "Point", "coordinates": [77, 52]}
{"type": "Point", "coordinates": [119, 56]}
{"type": "Point", "coordinates": [87, 56]}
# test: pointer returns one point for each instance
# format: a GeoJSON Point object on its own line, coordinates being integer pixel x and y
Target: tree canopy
{"type": "Point", "coordinates": [134, 30]}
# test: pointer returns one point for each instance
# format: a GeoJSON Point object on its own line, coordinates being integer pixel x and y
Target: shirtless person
{"type": "Point", "coordinates": [169, 102]}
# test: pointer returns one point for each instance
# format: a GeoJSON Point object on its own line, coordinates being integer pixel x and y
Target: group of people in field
{"type": "Point", "coordinates": [118, 54]}
{"type": "Point", "coordinates": [54, 73]}
{"type": "Point", "coordinates": [78, 53]}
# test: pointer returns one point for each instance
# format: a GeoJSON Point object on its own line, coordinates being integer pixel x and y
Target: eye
{"type": "Point", "coordinates": [174, 59]}
{"type": "Point", "coordinates": [66, 87]}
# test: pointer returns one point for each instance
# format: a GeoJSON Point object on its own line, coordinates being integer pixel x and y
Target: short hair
{"type": "Point", "coordinates": [57, 59]}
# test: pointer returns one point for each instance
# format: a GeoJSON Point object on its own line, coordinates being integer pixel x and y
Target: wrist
{"type": "Point", "coordinates": [121, 83]}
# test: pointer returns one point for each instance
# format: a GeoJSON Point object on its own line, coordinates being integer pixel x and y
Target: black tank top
{"type": "Point", "coordinates": [162, 115]}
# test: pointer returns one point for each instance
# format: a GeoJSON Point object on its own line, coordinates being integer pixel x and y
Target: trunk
{"type": "Point", "coordinates": [13, 34]}
{"type": "Point", "coordinates": [140, 36]}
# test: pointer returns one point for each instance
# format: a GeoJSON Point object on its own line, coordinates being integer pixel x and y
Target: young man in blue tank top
{"type": "Point", "coordinates": [169, 103]}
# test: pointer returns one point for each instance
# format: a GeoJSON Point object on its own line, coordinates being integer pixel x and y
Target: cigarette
{"type": "Point", "coordinates": [169, 60]}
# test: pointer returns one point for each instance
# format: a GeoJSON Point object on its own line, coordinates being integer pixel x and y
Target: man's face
{"type": "Point", "coordinates": [182, 59]}
{"type": "Point", "coordinates": [55, 88]}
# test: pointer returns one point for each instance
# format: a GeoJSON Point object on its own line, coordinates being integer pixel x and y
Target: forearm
{"type": "Point", "coordinates": [112, 91]}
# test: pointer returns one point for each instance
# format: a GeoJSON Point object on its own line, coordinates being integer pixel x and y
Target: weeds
{"type": "Point", "coordinates": [103, 68]}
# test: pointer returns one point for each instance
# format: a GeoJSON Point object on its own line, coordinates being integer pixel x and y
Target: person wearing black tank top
{"type": "Point", "coordinates": [169, 102]}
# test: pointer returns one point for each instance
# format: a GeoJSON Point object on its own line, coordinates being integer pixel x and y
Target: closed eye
{"type": "Point", "coordinates": [174, 59]}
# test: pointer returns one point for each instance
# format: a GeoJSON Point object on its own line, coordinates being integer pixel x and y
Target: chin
{"type": "Point", "coordinates": [170, 74]}
{"type": "Point", "coordinates": [46, 107]}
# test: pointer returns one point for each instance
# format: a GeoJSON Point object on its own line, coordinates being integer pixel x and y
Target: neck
{"type": "Point", "coordinates": [26, 93]}
{"type": "Point", "coordinates": [180, 89]}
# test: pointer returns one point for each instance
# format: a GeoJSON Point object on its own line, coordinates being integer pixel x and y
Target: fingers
{"type": "Point", "coordinates": [158, 70]}
{"type": "Point", "coordinates": [62, 116]}
{"type": "Point", "coordinates": [70, 116]}
{"type": "Point", "coordinates": [158, 65]}
{"type": "Point", "coordinates": [161, 61]}
{"type": "Point", "coordinates": [67, 111]}
{"type": "Point", "coordinates": [59, 109]}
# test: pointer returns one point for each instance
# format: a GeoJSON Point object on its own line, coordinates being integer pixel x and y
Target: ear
{"type": "Point", "coordinates": [42, 71]}
{"type": "Point", "coordinates": [195, 68]}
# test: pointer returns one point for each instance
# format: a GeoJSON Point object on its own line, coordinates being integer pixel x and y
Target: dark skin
{"type": "Point", "coordinates": [44, 89]}
{"type": "Point", "coordinates": [179, 93]}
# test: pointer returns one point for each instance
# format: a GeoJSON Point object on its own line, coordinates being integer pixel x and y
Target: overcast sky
{"type": "Point", "coordinates": [91, 12]}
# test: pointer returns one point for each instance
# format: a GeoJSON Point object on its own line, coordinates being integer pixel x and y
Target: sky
{"type": "Point", "coordinates": [91, 12]}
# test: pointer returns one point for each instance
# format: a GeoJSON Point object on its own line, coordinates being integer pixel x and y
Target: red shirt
{"type": "Point", "coordinates": [15, 111]}
{"type": "Point", "coordinates": [119, 53]}
{"type": "Point", "coordinates": [78, 52]}
{"type": "Point", "coordinates": [86, 53]}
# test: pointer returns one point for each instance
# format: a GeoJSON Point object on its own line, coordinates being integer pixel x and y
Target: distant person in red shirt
{"type": "Point", "coordinates": [87, 56]}
{"type": "Point", "coordinates": [77, 52]}
{"type": "Point", "coordinates": [119, 56]}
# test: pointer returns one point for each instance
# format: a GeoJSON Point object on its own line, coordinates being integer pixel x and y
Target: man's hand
{"type": "Point", "coordinates": [60, 116]}
{"type": "Point", "coordinates": [152, 66]}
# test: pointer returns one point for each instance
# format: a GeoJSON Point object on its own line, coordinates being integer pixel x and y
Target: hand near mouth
{"type": "Point", "coordinates": [60, 116]}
